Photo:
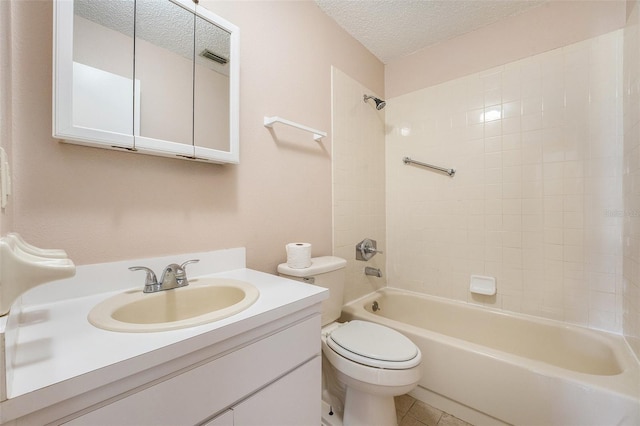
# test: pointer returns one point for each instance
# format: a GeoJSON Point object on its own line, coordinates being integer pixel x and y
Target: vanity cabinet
{"type": "Point", "coordinates": [158, 77]}
{"type": "Point", "coordinates": [293, 400]}
{"type": "Point", "coordinates": [290, 401]}
{"type": "Point", "coordinates": [224, 419]}
{"type": "Point", "coordinates": [274, 380]}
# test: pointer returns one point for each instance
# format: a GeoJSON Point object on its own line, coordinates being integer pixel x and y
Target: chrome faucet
{"type": "Point", "coordinates": [173, 276]}
{"type": "Point", "coordinates": [374, 272]}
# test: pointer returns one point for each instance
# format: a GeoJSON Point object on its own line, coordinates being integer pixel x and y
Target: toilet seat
{"type": "Point", "coordinates": [374, 345]}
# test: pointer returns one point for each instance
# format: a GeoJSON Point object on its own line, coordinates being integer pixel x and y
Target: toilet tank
{"type": "Point", "coordinates": [327, 272]}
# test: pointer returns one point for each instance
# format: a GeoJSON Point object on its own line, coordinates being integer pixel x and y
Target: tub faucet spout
{"type": "Point", "coordinates": [374, 272]}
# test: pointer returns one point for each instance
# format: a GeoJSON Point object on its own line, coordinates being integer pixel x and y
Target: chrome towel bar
{"type": "Point", "coordinates": [408, 160]}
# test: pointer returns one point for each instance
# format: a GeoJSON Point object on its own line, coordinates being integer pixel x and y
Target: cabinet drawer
{"type": "Point", "coordinates": [198, 393]}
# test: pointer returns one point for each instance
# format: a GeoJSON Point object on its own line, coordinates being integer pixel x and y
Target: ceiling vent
{"type": "Point", "coordinates": [206, 53]}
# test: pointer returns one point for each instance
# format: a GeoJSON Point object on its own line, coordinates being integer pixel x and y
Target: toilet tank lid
{"type": "Point", "coordinates": [319, 265]}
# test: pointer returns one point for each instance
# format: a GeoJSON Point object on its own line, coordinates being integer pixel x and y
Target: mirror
{"type": "Point", "coordinates": [164, 69]}
{"type": "Point", "coordinates": [211, 86]}
{"type": "Point", "coordinates": [176, 96]}
{"type": "Point", "coordinates": [94, 72]}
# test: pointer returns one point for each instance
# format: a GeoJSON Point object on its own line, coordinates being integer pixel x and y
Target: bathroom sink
{"type": "Point", "coordinates": [203, 301]}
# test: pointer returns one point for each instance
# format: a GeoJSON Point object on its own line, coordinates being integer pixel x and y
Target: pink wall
{"type": "Point", "coordinates": [553, 25]}
{"type": "Point", "coordinates": [5, 88]}
{"type": "Point", "coordinates": [104, 205]}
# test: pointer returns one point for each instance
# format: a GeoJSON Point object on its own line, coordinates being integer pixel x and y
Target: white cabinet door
{"type": "Point", "coordinates": [292, 400]}
{"type": "Point", "coordinates": [194, 395]}
{"type": "Point", "coordinates": [93, 87]}
{"type": "Point", "coordinates": [148, 76]}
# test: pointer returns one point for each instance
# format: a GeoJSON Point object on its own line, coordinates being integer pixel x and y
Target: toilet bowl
{"type": "Point", "coordinates": [373, 363]}
{"type": "Point", "coordinates": [369, 363]}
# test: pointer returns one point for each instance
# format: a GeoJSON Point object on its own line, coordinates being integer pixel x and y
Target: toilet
{"type": "Point", "coordinates": [370, 363]}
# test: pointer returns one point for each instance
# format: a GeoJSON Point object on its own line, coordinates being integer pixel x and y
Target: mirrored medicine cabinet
{"type": "Point", "coordinates": [158, 77]}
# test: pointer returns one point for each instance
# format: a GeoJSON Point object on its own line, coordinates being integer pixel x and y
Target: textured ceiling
{"type": "Point", "coordinates": [394, 28]}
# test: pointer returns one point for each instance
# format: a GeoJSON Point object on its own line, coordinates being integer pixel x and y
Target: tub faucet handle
{"type": "Point", "coordinates": [366, 249]}
{"type": "Point", "coordinates": [372, 250]}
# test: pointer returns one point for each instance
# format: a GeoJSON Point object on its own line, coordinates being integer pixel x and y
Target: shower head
{"type": "Point", "coordinates": [379, 102]}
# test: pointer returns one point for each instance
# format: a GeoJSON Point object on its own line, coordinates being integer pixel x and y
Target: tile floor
{"type": "Point", "coordinates": [412, 412]}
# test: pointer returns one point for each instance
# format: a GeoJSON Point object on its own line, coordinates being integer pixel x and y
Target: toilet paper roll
{"type": "Point", "coordinates": [298, 255]}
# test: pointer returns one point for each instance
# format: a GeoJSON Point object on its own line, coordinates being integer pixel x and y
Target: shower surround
{"type": "Point", "coordinates": [536, 200]}
{"type": "Point", "coordinates": [358, 176]}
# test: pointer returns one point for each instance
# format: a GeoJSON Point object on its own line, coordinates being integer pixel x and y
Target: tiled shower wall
{"type": "Point", "coordinates": [537, 197]}
{"type": "Point", "coordinates": [358, 181]}
{"type": "Point", "coordinates": [631, 178]}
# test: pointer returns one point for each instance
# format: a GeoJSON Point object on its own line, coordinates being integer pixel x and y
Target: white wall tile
{"type": "Point", "coordinates": [358, 162]}
{"type": "Point", "coordinates": [538, 161]}
{"type": "Point", "coordinates": [630, 298]}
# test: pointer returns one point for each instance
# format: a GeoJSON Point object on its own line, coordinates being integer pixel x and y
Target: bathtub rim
{"type": "Point", "coordinates": [625, 384]}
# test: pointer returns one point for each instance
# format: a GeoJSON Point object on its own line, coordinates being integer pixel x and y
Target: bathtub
{"type": "Point", "coordinates": [490, 367]}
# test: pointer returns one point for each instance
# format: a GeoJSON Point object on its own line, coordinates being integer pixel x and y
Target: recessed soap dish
{"type": "Point", "coordinates": [483, 285]}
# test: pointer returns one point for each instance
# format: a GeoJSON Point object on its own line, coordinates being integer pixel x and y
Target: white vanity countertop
{"type": "Point", "coordinates": [56, 345]}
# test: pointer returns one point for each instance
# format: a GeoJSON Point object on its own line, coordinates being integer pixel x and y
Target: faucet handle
{"type": "Point", "coordinates": [366, 249]}
{"type": "Point", "coordinates": [370, 249]}
{"type": "Point", "coordinates": [181, 273]}
{"type": "Point", "coordinates": [188, 262]}
{"type": "Point", "coordinates": [150, 282]}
